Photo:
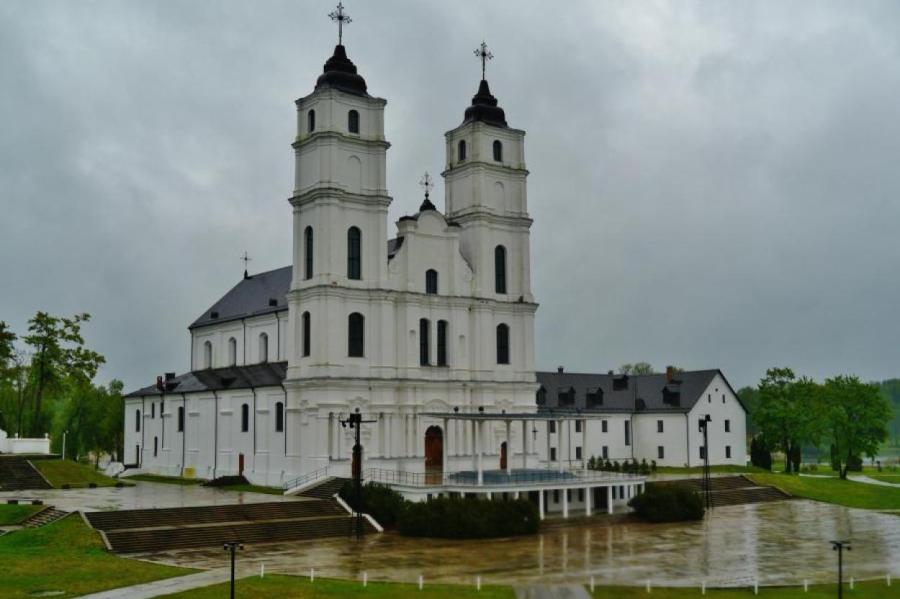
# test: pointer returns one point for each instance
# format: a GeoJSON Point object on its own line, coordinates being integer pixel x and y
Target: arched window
{"type": "Point", "coordinates": [180, 419]}
{"type": "Point", "coordinates": [263, 347]}
{"type": "Point", "coordinates": [354, 253]}
{"type": "Point", "coordinates": [207, 354]}
{"type": "Point", "coordinates": [502, 344]}
{"type": "Point", "coordinates": [498, 151]}
{"type": "Point", "coordinates": [155, 446]}
{"type": "Point", "coordinates": [311, 121]}
{"type": "Point", "coordinates": [279, 417]}
{"type": "Point", "coordinates": [431, 281]}
{"type": "Point", "coordinates": [232, 351]}
{"type": "Point", "coordinates": [353, 121]}
{"type": "Point", "coordinates": [461, 150]}
{"type": "Point", "coordinates": [308, 250]}
{"type": "Point", "coordinates": [245, 418]}
{"type": "Point", "coordinates": [307, 334]}
{"type": "Point", "coordinates": [442, 343]}
{"type": "Point", "coordinates": [355, 335]}
{"type": "Point", "coordinates": [137, 421]}
{"type": "Point", "coordinates": [500, 269]}
{"type": "Point", "coordinates": [424, 342]}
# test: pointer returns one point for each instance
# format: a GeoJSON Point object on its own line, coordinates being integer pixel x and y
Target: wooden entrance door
{"type": "Point", "coordinates": [434, 452]}
{"type": "Point", "coordinates": [240, 464]}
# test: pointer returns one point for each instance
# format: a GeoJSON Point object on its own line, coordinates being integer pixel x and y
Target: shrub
{"type": "Point", "coordinates": [379, 501]}
{"type": "Point", "coordinates": [456, 518]}
{"type": "Point", "coordinates": [227, 481]}
{"type": "Point", "coordinates": [668, 503]}
{"type": "Point", "coordinates": [653, 465]}
{"type": "Point", "coordinates": [608, 466]}
{"type": "Point", "coordinates": [645, 469]}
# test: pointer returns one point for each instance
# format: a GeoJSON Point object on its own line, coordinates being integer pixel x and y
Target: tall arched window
{"type": "Point", "coordinates": [500, 269]}
{"type": "Point", "coordinates": [279, 417]}
{"type": "Point", "coordinates": [461, 150]}
{"type": "Point", "coordinates": [353, 121]}
{"type": "Point", "coordinates": [355, 335]}
{"type": "Point", "coordinates": [442, 343]}
{"type": "Point", "coordinates": [307, 334]}
{"type": "Point", "coordinates": [232, 351]}
{"type": "Point", "coordinates": [263, 347]}
{"type": "Point", "coordinates": [431, 281]}
{"type": "Point", "coordinates": [245, 418]}
{"type": "Point", "coordinates": [311, 121]}
{"type": "Point", "coordinates": [502, 344]}
{"type": "Point", "coordinates": [308, 250]}
{"type": "Point", "coordinates": [155, 446]}
{"type": "Point", "coordinates": [354, 253]}
{"type": "Point", "coordinates": [424, 342]}
{"type": "Point", "coordinates": [207, 354]}
{"type": "Point", "coordinates": [498, 151]}
{"type": "Point", "coordinates": [180, 419]}
{"type": "Point", "coordinates": [137, 421]}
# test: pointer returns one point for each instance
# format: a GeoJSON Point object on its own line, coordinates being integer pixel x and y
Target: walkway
{"type": "Point", "coordinates": [170, 585]}
{"type": "Point", "coordinates": [861, 478]}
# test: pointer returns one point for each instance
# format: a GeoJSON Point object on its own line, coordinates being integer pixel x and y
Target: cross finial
{"type": "Point", "coordinates": [426, 183]}
{"type": "Point", "coordinates": [342, 19]}
{"type": "Point", "coordinates": [485, 55]}
{"type": "Point", "coordinates": [246, 258]}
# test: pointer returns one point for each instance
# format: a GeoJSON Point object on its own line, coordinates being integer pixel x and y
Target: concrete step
{"type": "Point", "coordinates": [44, 517]}
{"type": "Point", "coordinates": [18, 474]}
{"type": "Point", "coordinates": [325, 489]}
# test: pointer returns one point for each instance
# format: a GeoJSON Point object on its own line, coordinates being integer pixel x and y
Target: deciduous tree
{"type": "Point", "coordinates": [856, 415]}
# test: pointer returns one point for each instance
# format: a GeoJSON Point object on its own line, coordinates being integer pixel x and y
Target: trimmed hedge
{"type": "Point", "coordinates": [668, 503]}
{"type": "Point", "coordinates": [456, 518]}
{"type": "Point", "coordinates": [379, 501]}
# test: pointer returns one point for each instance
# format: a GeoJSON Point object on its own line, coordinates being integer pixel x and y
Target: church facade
{"type": "Point", "coordinates": [428, 333]}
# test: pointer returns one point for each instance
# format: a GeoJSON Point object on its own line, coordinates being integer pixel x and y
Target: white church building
{"type": "Point", "coordinates": [428, 333]}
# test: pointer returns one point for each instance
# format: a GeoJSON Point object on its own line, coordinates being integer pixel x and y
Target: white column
{"type": "Point", "coordinates": [509, 451]}
{"type": "Point", "coordinates": [479, 442]}
{"type": "Point", "coordinates": [609, 507]}
{"type": "Point", "coordinates": [565, 497]}
{"type": "Point", "coordinates": [516, 495]}
{"type": "Point", "coordinates": [541, 504]}
{"type": "Point", "coordinates": [587, 496]}
{"type": "Point", "coordinates": [524, 444]}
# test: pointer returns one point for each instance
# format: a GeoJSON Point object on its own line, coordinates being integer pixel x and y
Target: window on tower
{"type": "Point", "coordinates": [308, 250]}
{"type": "Point", "coordinates": [311, 121]}
{"type": "Point", "coordinates": [498, 151]}
{"type": "Point", "coordinates": [279, 417]}
{"type": "Point", "coordinates": [137, 421]}
{"type": "Point", "coordinates": [353, 121]}
{"type": "Point", "coordinates": [442, 343]}
{"type": "Point", "coordinates": [354, 253]}
{"type": "Point", "coordinates": [307, 334]}
{"type": "Point", "coordinates": [461, 150]}
{"type": "Point", "coordinates": [500, 269]}
{"type": "Point", "coordinates": [431, 281]}
{"type": "Point", "coordinates": [424, 342]}
{"type": "Point", "coordinates": [502, 344]}
{"type": "Point", "coordinates": [355, 335]}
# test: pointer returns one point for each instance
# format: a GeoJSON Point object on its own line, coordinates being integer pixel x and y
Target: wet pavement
{"type": "Point", "coordinates": [142, 495]}
{"type": "Point", "coordinates": [783, 542]}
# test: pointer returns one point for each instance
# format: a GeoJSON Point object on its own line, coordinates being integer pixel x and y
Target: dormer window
{"type": "Point", "coordinates": [353, 121]}
{"type": "Point", "coordinates": [498, 151]}
{"type": "Point", "coordinates": [567, 397]}
{"type": "Point", "coordinates": [595, 399]}
{"type": "Point", "coordinates": [311, 121]}
{"type": "Point", "coordinates": [620, 383]}
{"type": "Point", "coordinates": [541, 396]}
{"type": "Point", "coordinates": [461, 150]}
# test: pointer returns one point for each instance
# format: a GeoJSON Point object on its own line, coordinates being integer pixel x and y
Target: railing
{"type": "Point", "coordinates": [469, 478]}
{"type": "Point", "coordinates": [306, 478]}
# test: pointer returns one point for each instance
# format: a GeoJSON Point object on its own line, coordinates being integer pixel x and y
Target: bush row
{"type": "Point", "coordinates": [668, 503]}
{"type": "Point", "coordinates": [628, 467]}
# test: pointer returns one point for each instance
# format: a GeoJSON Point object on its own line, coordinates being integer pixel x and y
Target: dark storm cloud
{"type": "Point", "coordinates": [713, 184]}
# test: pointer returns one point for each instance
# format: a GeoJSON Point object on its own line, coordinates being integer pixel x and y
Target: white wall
{"type": "Point", "coordinates": [721, 404]}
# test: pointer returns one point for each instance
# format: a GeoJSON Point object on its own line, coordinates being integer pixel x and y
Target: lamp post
{"type": "Point", "coordinates": [839, 546]}
{"type": "Point", "coordinates": [355, 422]}
{"type": "Point", "coordinates": [233, 546]}
{"type": "Point", "coordinates": [704, 427]}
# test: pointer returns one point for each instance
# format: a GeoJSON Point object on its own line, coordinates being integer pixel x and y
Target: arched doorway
{"type": "Point", "coordinates": [503, 456]}
{"type": "Point", "coordinates": [434, 454]}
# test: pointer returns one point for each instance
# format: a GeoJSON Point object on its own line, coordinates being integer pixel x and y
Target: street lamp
{"type": "Point", "coordinates": [839, 546]}
{"type": "Point", "coordinates": [233, 546]}
{"type": "Point", "coordinates": [704, 427]}
{"type": "Point", "coordinates": [355, 421]}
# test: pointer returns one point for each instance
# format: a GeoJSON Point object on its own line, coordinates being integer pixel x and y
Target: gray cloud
{"type": "Point", "coordinates": [713, 184]}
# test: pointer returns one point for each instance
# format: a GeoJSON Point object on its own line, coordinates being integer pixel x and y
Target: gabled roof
{"type": "Point", "coordinates": [250, 297]}
{"type": "Point", "coordinates": [643, 393]}
{"type": "Point", "coordinates": [220, 379]}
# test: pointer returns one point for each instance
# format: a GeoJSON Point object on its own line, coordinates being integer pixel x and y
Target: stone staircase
{"type": "Point", "coordinates": [45, 516]}
{"type": "Point", "coordinates": [17, 474]}
{"type": "Point", "coordinates": [325, 489]}
{"type": "Point", "coordinates": [731, 490]}
{"type": "Point", "coordinates": [152, 530]}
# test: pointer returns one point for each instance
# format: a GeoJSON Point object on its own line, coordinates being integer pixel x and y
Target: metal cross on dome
{"type": "Point", "coordinates": [426, 183]}
{"type": "Point", "coordinates": [342, 19]}
{"type": "Point", "coordinates": [483, 53]}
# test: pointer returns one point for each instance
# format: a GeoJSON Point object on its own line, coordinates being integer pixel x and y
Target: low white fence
{"type": "Point", "coordinates": [24, 445]}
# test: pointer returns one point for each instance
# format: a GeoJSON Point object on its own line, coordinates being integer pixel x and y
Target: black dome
{"type": "Point", "coordinates": [340, 73]}
{"type": "Point", "coordinates": [484, 108]}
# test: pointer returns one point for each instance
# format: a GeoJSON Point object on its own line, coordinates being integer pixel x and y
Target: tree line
{"type": "Point", "coordinates": [46, 387]}
{"type": "Point", "coordinates": [788, 413]}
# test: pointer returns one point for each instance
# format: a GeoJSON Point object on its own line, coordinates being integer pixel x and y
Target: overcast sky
{"type": "Point", "coordinates": [712, 184]}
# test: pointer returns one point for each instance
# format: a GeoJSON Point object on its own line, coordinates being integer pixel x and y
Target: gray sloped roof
{"type": "Point", "coordinates": [644, 393]}
{"type": "Point", "coordinates": [220, 379]}
{"type": "Point", "coordinates": [250, 297]}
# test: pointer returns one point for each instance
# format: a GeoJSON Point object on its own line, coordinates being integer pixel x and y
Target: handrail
{"type": "Point", "coordinates": [469, 478]}
{"type": "Point", "coordinates": [308, 477]}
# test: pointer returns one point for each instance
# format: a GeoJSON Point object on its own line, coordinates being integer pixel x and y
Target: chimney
{"type": "Point", "coordinates": [560, 369]}
{"type": "Point", "coordinates": [170, 376]}
{"type": "Point", "coordinates": [670, 374]}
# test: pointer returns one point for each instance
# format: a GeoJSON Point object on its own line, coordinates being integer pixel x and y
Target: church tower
{"type": "Point", "coordinates": [485, 193]}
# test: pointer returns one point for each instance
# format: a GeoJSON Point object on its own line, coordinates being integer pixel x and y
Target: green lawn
{"type": "Point", "coordinates": [833, 490]}
{"type": "Point", "coordinates": [862, 590]}
{"type": "Point", "coordinates": [278, 586]}
{"type": "Point", "coordinates": [699, 469]}
{"type": "Point", "coordinates": [169, 480]}
{"type": "Point", "coordinates": [67, 472]}
{"type": "Point", "coordinates": [885, 477]}
{"type": "Point", "coordinates": [13, 514]}
{"type": "Point", "coordinates": [68, 556]}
